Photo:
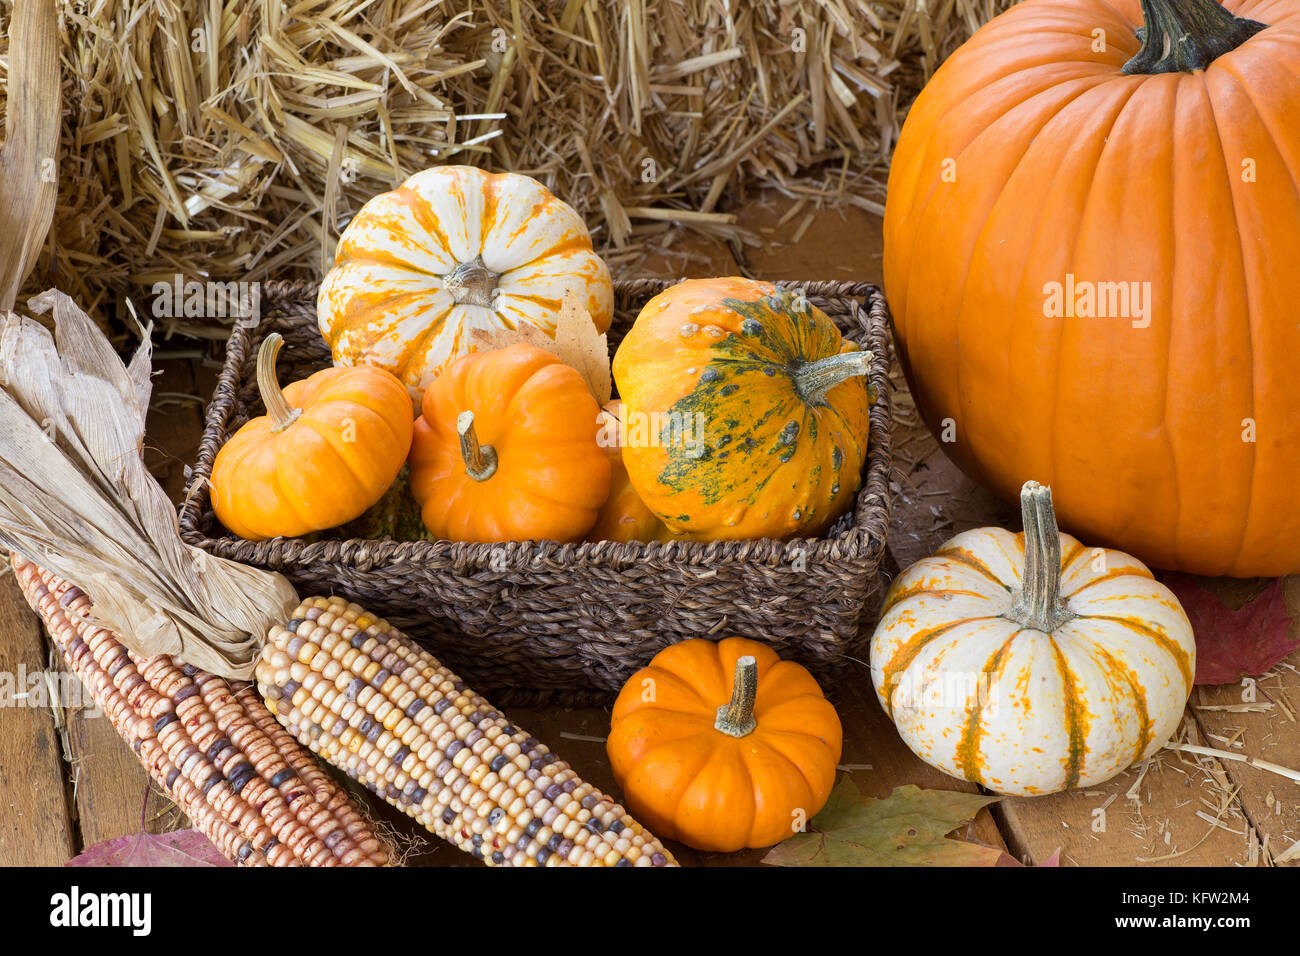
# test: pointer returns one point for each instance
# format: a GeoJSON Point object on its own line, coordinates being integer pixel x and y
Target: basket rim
{"type": "Point", "coordinates": [860, 546]}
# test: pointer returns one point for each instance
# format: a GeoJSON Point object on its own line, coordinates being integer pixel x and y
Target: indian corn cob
{"type": "Point", "coordinates": [210, 743]}
{"type": "Point", "coordinates": [374, 704]}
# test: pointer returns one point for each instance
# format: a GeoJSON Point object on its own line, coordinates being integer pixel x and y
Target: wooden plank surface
{"type": "Point", "coordinates": [35, 825]}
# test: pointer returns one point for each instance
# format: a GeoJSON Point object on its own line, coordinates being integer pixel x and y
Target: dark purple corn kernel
{"type": "Point", "coordinates": [414, 708]}
{"type": "Point", "coordinates": [593, 826]}
{"type": "Point", "coordinates": [473, 737]}
{"type": "Point", "coordinates": [529, 745]}
{"type": "Point", "coordinates": [218, 745]}
{"type": "Point", "coordinates": [455, 747]}
{"type": "Point", "coordinates": [171, 777]}
{"type": "Point", "coordinates": [449, 816]}
{"type": "Point", "coordinates": [167, 718]}
{"type": "Point", "coordinates": [121, 662]}
{"type": "Point", "coordinates": [569, 786]}
{"type": "Point", "coordinates": [543, 855]}
{"type": "Point", "coordinates": [554, 842]}
{"type": "Point", "coordinates": [498, 858]}
{"type": "Point", "coordinates": [499, 761]}
{"type": "Point", "coordinates": [419, 794]}
{"type": "Point", "coordinates": [291, 687]}
{"type": "Point", "coordinates": [617, 826]}
{"type": "Point", "coordinates": [553, 791]}
{"type": "Point", "coordinates": [442, 704]}
{"type": "Point", "coordinates": [354, 688]}
{"type": "Point", "coordinates": [392, 793]}
{"type": "Point", "coordinates": [245, 852]}
{"type": "Point", "coordinates": [70, 595]}
{"type": "Point", "coordinates": [533, 826]}
{"type": "Point", "coordinates": [293, 625]}
{"type": "Point", "coordinates": [241, 775]}
{"type": "Point", "coordinates": [358, 639]}
{"type": "Point", "coordinates": [373, 733]}
{"type": "Point", "coordinates": [477, 839]}
{"type": "Point", "coordinates": [189, 670]}
{"type": "Point", "coordinates": [624, 862]}
{"type": "Point", "coordinates": [185, 693]}
{"type": "Point", "coordinates": [495, 816]}
{"type": "Point", "coordinates": [400, 756]}
{"type": "Point", "coordinates": [658, 860]}
{"type": "Point", "coordinates": [565, 848]}
{"type": "Point", "coordinates": [589, 801]}
{"type": "Point", "coordinates": [271, 844]}
{"type": "Point", "coordinates": [283, 777]}
{"type": "Point", "coordinates": [211, 782]}
{"type": "Point", "coordinates": [334, 838]}
{"type": "Point", "coordinates": [379, 678]}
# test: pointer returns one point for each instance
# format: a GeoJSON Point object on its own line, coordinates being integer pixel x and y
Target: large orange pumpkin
{"type": "Point", "coordinates": [724, 745]}
{"type": "Point", "coordinates": [1051, 163]}
{"type": "Point", "coordinates": [506, 450]}
{"type": "Point", "coordinates": [327, 449]}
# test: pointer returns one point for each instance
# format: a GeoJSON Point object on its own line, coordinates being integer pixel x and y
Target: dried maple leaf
{"type": "Point", "coordinates": [488, 339]}
{"type": "Point", "coordinates": [1232, 643]}
{"type": "Point", "coordinates": [1054, 860]}
{"type": "Point", "coordinates": [907, 828]}
{"type": "Point", "coordinates": [576, 343]}
{"type": "Point", "coordinates": [178, 848]}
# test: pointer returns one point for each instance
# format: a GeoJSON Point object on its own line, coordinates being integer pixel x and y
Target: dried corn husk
{"type": "Point", "coordinates": [76, 498]}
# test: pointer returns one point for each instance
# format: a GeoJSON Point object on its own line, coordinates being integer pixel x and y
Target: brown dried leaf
{"type": "Point", "coordinates": [487, 339]}
{"type": "Point", "coordinates": [583, 348]}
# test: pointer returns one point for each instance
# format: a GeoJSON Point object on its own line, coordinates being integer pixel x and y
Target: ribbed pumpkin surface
{"type": "Point", "coordinates": [1030, 158]}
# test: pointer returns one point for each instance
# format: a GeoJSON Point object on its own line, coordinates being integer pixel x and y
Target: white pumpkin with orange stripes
{"type": "Point", "coordinates": [1030, 663]}
{"type": "Point", "coordinates": [450, 250]}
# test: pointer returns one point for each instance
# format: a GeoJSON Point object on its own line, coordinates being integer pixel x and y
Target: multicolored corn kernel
{"type": "Point", "coordinates": [377, 706]}
{"type": "Point", "coordinates": [210, 744]}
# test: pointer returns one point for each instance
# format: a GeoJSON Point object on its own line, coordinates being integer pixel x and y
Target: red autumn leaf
{"type": "Point", "coordinates": [178, 848]}
{"type": "Point", "coordinates": [1235, 643]}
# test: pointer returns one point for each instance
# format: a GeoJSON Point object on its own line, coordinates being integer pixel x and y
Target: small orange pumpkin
{"type": "Point", "coordinates": [624, 516]}
{"type": "Point", "coordinates": [506, 450]}
{"type": "Point", "coordinates": [327, 449]}
{"type": "Point", "coordinates": [722, 762]}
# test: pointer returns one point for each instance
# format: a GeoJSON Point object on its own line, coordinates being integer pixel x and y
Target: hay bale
{"type": "Point", "coordinates": [234, 140]}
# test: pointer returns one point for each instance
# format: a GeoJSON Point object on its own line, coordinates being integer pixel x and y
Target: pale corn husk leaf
{"type": "Point", "coordinates": [487, 339]}
{"type": "Point", "coordinates": [29, 160]}
{"type": "Point", "coordinates": [76, 498]}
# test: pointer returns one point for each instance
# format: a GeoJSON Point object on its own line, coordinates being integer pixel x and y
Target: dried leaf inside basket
{"type": "Point", "coordinates": [76, 497]}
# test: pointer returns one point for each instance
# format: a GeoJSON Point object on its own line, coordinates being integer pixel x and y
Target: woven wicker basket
{"type": "Point", "coordinates": [535, 622]}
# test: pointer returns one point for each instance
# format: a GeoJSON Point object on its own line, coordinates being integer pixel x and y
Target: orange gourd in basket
{"type": "Point", "coordinates": [506, 450]}
{"type": "Point", "coordinates": [1090, 248]}
{"type": "Point", "coordinates": [747, 411]}
{"type": "Point", "coordinates": [327, 449]}
{"type": "Point", "coordinates": [624, 516]}
{"type": "Point", "coordinates": [724, 745]}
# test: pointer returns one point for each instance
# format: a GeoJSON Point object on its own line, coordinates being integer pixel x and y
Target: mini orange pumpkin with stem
{"type": "Point", "coordinates": [723, 746]}
{"type": "Point", "coordinates": [506, 450]}
{"type": "Point", "coordinates": [327, 449]}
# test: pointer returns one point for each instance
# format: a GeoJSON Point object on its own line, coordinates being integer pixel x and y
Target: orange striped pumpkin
{"type": "Point", "coordinates": [1029, 663]}
{"type": "Point", "coordinates": [451, 250]}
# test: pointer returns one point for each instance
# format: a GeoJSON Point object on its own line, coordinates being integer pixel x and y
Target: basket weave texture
{"type": "Point", "coordinates": [544, 622]}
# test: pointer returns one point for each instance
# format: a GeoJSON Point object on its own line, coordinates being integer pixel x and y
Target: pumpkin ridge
{"type": "Point", "coordinates": [896, 599]}
{"type": "Point", "coordinates": [717, 752]}
{"type": "Point", "coordinates": [360, 326]}
{"type": "Point", "coordinates": [1146, 725]}
{"type": "Point", "coordinates": [1125, 572]}
{"type": "Point", "coordinates": [1162, 640]}
{"type": "Point", "coordinates": [421, 213]}
{"type": "Point", "coordinates": [964, 556]}
{"type": "Point", "coordinates": [316, 428]}
{"type": "Point", "coordinates": [755, 769]}
{"type": "Point", "coordinates": [967, 754]}
{"type": "Point", "coordinates": [1076, 720]}
{"type": "Point", "coordinates": [572, 242]}
{"type": "Point", "coordinates": [1249, 325]}
{"type": "Point", "coordinates": [909, 651]}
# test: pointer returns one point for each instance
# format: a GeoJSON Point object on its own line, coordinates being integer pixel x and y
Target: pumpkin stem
{"type": "Point", "coordinates": [813, 380]}
{"type": "Point", "coordinates": [1039, 605]}
{"type": "Point", "coordinates": [282, 414]}
{"type": "Point", "coordinates": [736, 718]}
{"type": "Point", "coordinates": [1187, 35]}
{"type": "Point", "coordinates": [471, 283]}
{"type": "Point", "coordinates": [480, 460]}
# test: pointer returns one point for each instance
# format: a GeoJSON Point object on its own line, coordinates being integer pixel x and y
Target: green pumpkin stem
{"type": "Point", "coordinates": [736, 718]}
{"type": "Point", "coordinates": [480, 460]}
{"type": "Point", "coordinates": [1039, 605]}
{"type": "Point", "coordinates": [813, 380]}
{"type": "Point", "coordinates": [281, 413]}
{"type": "Point", "coordinates": [1181, 36]}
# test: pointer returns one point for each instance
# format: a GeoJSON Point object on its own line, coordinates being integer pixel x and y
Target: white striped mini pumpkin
{"type": "Point", "coordinates": [1030, 663]}
{"type": "Point", "coordinates": [450, 250]}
